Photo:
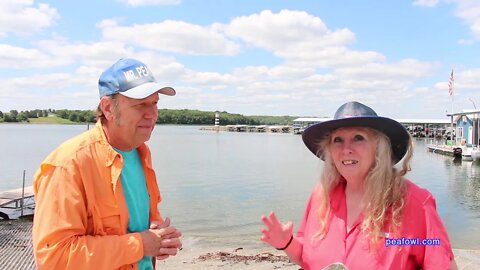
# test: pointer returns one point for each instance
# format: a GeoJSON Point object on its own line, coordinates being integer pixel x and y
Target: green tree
{"type": "Point", "coordinates": [62, 114]}
{"type": "Point", "coordinates": [13, 115]}
{"type": "Point", "coordinates": [73, 116]}
{"type": "Point", "coordinates": [8, 118]}
{"type": "Point", "coordinates": [22, 117]}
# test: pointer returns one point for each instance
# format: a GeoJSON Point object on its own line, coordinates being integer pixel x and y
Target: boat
{"type": "Point", "coordinates": [457, 152]}
{"type": "Point", "coordinates": [448, 150]}
{"type": "Point", "coordinates": [467, 153]}
{"type": "Point", "coordinates": [475, 154]}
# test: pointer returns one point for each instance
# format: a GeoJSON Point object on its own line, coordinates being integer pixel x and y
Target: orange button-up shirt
{"type": "Point", "coordinates": [81, 215]}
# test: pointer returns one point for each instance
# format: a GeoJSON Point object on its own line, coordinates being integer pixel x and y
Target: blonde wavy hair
{"type": "Point", "coordinates": [384, 188]}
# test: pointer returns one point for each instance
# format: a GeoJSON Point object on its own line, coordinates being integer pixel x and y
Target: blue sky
{"type": "Point", "coordinates": [254, 57]}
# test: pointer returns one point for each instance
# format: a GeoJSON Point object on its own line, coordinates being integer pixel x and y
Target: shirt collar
{"type": "Point", "coordinates": [111, 154]}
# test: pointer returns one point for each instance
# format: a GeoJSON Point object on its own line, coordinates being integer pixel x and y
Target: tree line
{"type": "Point", "coordinates": [23, 116]}
{"type": "Point", "coordinates": [165, 116]}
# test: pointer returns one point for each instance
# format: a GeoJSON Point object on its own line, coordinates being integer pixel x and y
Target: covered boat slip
{"type": "Point", "coordinates": [467, 126]}
{"type": "Point", "coordinates": [417, 127]}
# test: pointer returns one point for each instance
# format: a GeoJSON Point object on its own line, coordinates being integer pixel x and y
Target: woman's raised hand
{"type": "Point", "coordinates": [276, 233]}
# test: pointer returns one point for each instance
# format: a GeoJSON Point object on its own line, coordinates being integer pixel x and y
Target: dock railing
{"type": "Point", "coordinates": [17, 200]}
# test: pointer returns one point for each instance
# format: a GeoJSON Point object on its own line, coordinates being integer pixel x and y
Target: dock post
{"type": "Point", "coordinates": [23, 195]}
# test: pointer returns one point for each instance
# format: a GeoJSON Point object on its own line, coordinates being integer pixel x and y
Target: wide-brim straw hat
{"type": "Point", "coordinates": [355, 114]}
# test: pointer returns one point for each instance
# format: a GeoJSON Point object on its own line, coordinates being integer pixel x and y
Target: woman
{"type": "Point", "coordinates": [363, 214]}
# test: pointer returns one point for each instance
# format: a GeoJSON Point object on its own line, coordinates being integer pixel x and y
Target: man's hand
{"type": "Point", "coordinates": [161, 240]}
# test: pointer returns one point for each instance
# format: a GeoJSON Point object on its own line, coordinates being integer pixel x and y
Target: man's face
{"type": "Point", "coordinates": [132, 121]}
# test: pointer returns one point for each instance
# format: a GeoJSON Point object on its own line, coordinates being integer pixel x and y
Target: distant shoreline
{"type": "Point", "coordinates": [91, 124]}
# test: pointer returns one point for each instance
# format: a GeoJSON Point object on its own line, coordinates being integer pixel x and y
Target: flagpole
{"type": "Point", "coordinates": [451, 82]}
{"type": "Point", "coordinates": [454, 138]}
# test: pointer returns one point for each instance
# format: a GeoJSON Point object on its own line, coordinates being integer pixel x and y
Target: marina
{"type": "Point", "coordinates": [248, 128]}
{"type": "Point", "coordinates": [200, 174]}
{"type": "Point", "coordinates": [418, 128]}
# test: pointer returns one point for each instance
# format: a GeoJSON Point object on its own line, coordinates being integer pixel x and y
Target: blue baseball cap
{"type": "Point", "coordinates": [132, 79]}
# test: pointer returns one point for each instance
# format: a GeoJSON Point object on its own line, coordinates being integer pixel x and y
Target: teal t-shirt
{"type": "Point", "coordinates": [137, 197]}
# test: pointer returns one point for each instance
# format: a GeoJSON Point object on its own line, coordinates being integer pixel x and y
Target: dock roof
{"type": "Point", "coordinates": [402, 121]}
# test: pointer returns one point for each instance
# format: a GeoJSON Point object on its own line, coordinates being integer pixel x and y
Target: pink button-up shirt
{"type": "Point", "coordinates": [420, 222]}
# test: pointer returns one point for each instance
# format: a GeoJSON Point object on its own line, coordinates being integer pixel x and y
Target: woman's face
{"type": "Point", "coordinates": [353, 152]}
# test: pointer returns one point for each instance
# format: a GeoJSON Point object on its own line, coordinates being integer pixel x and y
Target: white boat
{"type": "Point", "coordinates": [467, 153]}
{"type": "Point", "coordinates": [475, 154]}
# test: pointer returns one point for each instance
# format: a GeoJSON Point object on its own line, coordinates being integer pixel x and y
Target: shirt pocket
{"type": "Point", "coordinates": [110, 217]}
{"type": "Point", "coordinates": [103, 219]}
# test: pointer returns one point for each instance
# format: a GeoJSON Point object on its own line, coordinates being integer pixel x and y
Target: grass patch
{"type": "Point", "coordinates": [50, 120]}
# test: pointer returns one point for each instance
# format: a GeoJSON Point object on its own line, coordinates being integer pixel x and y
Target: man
{"type": "Point", "coordinates": [96, 194]}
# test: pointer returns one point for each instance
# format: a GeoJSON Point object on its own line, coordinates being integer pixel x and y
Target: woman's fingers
{"type": "Point", "coordinates": [273, 218]}
{"type": "Point", "coordinates": [267, 221]}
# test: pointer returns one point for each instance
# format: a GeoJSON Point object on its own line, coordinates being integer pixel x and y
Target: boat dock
{"type": "Point", "coordinates": [16, 203]}
{"type": "Point", "coordinates": [454, 151]}
{"type": "Point", "coordinates": [16, 245]}
{"type": "Point", "coordinates": [464, 152]}
{"type": "Point", "coordinates": [247, 128]}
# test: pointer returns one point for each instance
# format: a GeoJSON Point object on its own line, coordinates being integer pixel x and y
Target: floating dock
{"type": "Point", "coordinates": [453, 151]}
{"type": "Point", "coordinates": [18, 202]}
{"type": "Point", "coordinates": [247, 128]}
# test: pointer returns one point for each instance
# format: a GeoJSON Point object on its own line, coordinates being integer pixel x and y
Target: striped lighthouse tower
{"type": "Point", "coordinates": [217, 121]}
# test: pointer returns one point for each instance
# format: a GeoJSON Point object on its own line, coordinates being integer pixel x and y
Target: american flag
{"type": "Point", "coordinates": [450, 84]}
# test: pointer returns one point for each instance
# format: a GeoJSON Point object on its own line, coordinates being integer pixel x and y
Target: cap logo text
{"type": "Point", "coordinates": [141, 71]}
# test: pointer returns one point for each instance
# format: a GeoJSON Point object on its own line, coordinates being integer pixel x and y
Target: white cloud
{"type": "Point", "coordinates": [317, 70]}
{"type": "Point", "coordinates": [137, 3]}
{"type": "Point", "coordinates": [405, 70]}
{"type": "Point", "coordinates": [286, 29]}
{"type": "Point", "coordinates": [255, 88]}
{"type": "Point", "coordinates": [426, 3]}
{"type": "Point", "coordinates": [466, 42]}
{"type": "Point", "coordinates": [171, 36]}
{"type": "Point", "coordinates": [467, 81]}
{"type": "Point", "coordinates": [212, 80]}
{"type": "Point", "coordinates": [20, 16]}
{"type": "Point", "coordinates": [17, 57]}
{"type": "Point", "coordinates": [96, 53]}
{"type": "Point", "coordinates": [58, 52]}
{"type": "Point", "coordinates": [469, 10]}
{"type": "Point", "coordinates": [76, 90]}
{"type": "Point", "coordinates": [300, 38]}
{"type": "Point", "coordinates": [331, 57]}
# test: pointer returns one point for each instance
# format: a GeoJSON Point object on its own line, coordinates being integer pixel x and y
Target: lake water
{"type": "Point", "coordinates": [215, 186]}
